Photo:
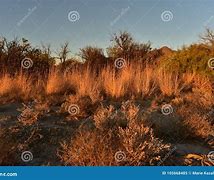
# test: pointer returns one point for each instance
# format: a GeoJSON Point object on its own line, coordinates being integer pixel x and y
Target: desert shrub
{"type": "Point", "coordinates": [199, 125]}
{"type": "Point", "coordinates": [124, 46]}
{"type": "Point", "coordinates": [193, 58]}
{"type": "Point", "coordinates": [196, 121]}
{"type": "Point", "coordinates": [141, 146]}
{"type": "Point", "coordinates": [69, 65]}
{"type": "Point", "coordinates": [79, 107]}
{"type": "Point", "coordinates": [132, 145]}
{"type": "Point", "coordinates": [200, 86]}
{"type": "Point", "coordinates": [110, 118]}
{"type": "Point", "coordinates": [28, 116]}
{"type": "Point", "coordinates": [114, 116]}
{"type": "Point", "coordinates": [118, 139]}
{"type": "Point", "coordinates": [202, 89]}
{"type": "Point", "coordinates": [88, 149]}
{"type": "Point", "coordinates": [102, 114]}
{"type": "Point", "coordinates": [12, 54]}
{"type": "Point", "coordinates": [92, 55]}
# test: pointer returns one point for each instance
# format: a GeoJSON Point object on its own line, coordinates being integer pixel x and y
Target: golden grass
{"type": "Point", "coordinates": [169, 82]}
{"type": "Point", "coordinates": [117, 106]}
{"type": "Point", "coordinates": [113, 145]}
{"type": "Point", "coordinates": [130, 81]}
{"type": "Point", "coordinates": [15, 87]}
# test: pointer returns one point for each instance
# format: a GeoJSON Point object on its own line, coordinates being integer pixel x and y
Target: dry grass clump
{"type": "Point", "coordinates": [91, 148]}
{"type": "Point", "coordinates": [197, 89]}
{"type": "Point", "coordinates": [28, 116]}
{"type": "Point", "coordinates": [86, 83]}
{"type": "Point", "coordinates": [19, 87]}
{"type": "Point", "coordinates": [110, 118]}
{"type": "Point", "coordinates": [196, 121]}
{"type": "Point", "coordinates": [199, 125]}
{"type": "Point", "coordinates": [130, 82]}
{"type": "Point", "coordinates": [202, 89]}
{"type": "Point", "coordinates": [57, 83]}
{"type": "Point", "coordinates": [136, 143]}
{"type": "Point", "coordinates": [103, 115]}
{"type": "Point", "coordinates": [115, 84]}
{"type": "Point", "coordinates": [143, 82]}
{"type": "Point", "coordinates": [141, 146]}
{"type": "Point", "coordinates": [113, 116]}
{"type": "Point", "coordinates": [121, 109]}
{"type": "Point", "coordinates": [6, 85]}
{"type": "Point", "coordinates": [168, 82]}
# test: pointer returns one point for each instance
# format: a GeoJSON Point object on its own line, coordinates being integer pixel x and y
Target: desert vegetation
{"type": "Point", "coordinates": [131, 106]}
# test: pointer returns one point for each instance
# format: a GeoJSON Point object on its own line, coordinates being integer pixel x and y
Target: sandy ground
{"type": "Point", "coordinates": [43, 138]}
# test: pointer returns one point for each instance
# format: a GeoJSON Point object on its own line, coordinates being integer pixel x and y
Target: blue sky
{"type": "Point", "coordinates": [47, 21]}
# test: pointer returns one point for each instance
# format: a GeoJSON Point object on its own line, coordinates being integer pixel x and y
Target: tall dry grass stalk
{"type": "Point", "coordinates": [168, 82]}
{"type": "Point", "coordinates": [130, 81]}
{"type": "Point", "coordinates": [16, 87]}
{"type": "Point", "coordinates": [57, 83]}
{"type": "Point", "coordinates": [85, 82]}
{"type": "Point", "coordinates": [114, 84]}
{"type": "Point", "coordinates": [143, 81]}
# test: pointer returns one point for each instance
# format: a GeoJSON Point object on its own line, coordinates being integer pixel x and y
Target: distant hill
{"type": "Point", "coordinates": [157, 54]}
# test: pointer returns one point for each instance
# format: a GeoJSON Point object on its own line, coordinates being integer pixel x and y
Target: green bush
{"type": "Point", "coordinates": [193, 58]}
